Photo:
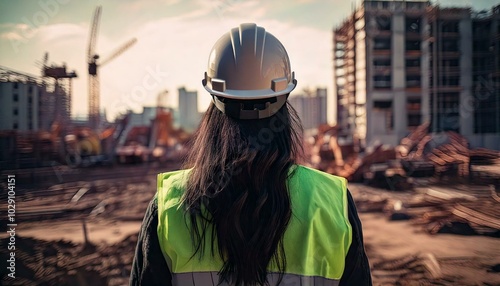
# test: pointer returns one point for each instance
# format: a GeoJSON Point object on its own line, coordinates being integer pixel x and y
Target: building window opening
{"type": "Point", "coordinates": [450, 46]}
{"type": "Point", "coordinates": [382, 62]}
{"type": "Point", "coordinates": [413, 104]}
{"type": "Point", "coordinates": [382, 44]}
{"type": "Point", "coordinates": [411, 63]}
{"type": "Point", "coordinates": [413, 25]}
{"type": "Point", "coordinates": [451, 63]}
{"type": "Point", "coordinates": [413, 107]}
{"type": "Point", "coordinates": [414, 120]}
{"type": "Point", "coordinates": [450, 27]}
{"type": "Point", "coordinates": [481, 30]}
{"type": "Point", "coordinates": [382, 81]}
{"type": "Point", "coordinates": [412, 45]}
{"type": "Point", "coordinates": [413, 81]}
{"type": "Point", "coordinates": [447, 116]}
{"type": "Point", "coordinates": [382, 104]}
{"type": "Point", "coordinates": [450, 80]}
{"type": "Point", "coordinates": [383, 23]}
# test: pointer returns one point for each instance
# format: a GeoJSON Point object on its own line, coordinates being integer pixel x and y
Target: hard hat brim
{"type": "Point", "coordinates": [249, 94]}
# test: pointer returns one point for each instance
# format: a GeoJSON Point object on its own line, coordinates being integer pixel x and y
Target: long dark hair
{"type": "Point", "coordinates": [237, 190]}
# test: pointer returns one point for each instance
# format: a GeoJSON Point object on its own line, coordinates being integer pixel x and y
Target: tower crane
{"type": "Point", "coordinates": [94, 65]}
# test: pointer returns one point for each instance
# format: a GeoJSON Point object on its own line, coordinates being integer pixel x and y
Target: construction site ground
{"type": "Point", "coordinates": [51, 219]}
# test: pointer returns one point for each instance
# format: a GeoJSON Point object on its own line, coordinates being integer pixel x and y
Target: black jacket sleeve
{"type": "Point", "coordinates": [149, 266]}
{"type": "Point", "coordinates": [357, 268]}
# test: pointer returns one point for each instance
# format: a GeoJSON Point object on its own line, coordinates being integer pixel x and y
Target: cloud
{"type": "Point", "coordinates": [18, 31]}
{"type": "Point", "coordinates": [7, 26]}
{"type": "Point", "coordinates": [61, 32]}
{"type": "Point", "coordinates": [13, 36]}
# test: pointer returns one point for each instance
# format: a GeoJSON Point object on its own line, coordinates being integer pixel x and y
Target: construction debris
{"type": "Point", "coordinates": [40, 262]}
{"type": "Point", "coordinates": [104, 196]}
{"type": "Point", "coordinates": [424, 267]}
{"type": "Point", "coordinates": [464, 210]}
{"type": "Point", "coordinates": [448, 152]}
{"type": "Point", "coordinates": [444, 155]}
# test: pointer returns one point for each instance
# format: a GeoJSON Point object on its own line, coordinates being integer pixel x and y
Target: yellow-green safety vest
{"type": "Point", "coordinates": [316, 241]}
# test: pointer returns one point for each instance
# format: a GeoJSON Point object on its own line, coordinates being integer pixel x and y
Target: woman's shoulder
{"type": "Point", "coordinates": [307, 183]}
{"type": "Point", "coordinates": [312, 175]}
{"type": "Point", "coordinates": [178, 176]}
{"type": "Point", "coordinates": [171, 184]}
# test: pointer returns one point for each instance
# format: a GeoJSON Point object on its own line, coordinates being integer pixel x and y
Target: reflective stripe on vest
{"type": "Point", "coordinates": [316, 241]}
{"type": "Point", "coordinates": [212, 278]}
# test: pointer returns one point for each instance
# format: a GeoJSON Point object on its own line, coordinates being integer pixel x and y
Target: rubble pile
{"type": "Point", "coordinates": [420, 154]}
{"type": "Point", "coordinates": [482, 156]}
{"type": "Point", "coordinates": [424, 268]}
{"type": "Point", "coordinates": [448, 151]}
{"type": "Point", "coordinates": [447, 155]}
{"type": "Point", "coordinates": [464, 210]}
{"type": "Point", "coordinates": [440, 212]}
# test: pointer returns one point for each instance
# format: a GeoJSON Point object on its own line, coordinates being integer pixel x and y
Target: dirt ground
{"type": "Point", "coordinates": [463, 260]}
{"type": "Point", "coordinates": [400, 252]}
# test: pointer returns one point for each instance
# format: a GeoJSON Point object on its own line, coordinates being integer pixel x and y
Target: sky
{"type": "Point", "coordinates": [174, 39]}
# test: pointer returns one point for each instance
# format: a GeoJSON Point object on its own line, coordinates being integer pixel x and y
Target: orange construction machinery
{"type": "Point", "coordinates": [159, 141]}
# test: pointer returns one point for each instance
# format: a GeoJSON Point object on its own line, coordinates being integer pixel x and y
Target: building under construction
{"type": "Point", "coordinates": [32, 103]}
{"type": "Point", "coordinates": [398, 64]}
{"type": "Point", "coordinates": [486, 70]}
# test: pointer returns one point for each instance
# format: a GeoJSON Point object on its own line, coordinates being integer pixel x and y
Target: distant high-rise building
{"type": "Point", "coordinates": [400, 63]}
{"type": "Point", "coordinates": [311, 107]}
{"type": "Point", "coordinates": [189, 117]}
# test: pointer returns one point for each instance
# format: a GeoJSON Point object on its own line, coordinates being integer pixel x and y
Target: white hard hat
{"type": "Point", "coordinates": [249, 65]}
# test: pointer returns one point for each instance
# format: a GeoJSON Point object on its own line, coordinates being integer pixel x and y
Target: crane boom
{"type": "Point", "coordinates": [45, 59]}
{"type": "Point", "coordinates": [93, 67]}
{"type": "Point", "coordinates": [93, 33]}
{"type": "Point", "coordinates": [118, 51]}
